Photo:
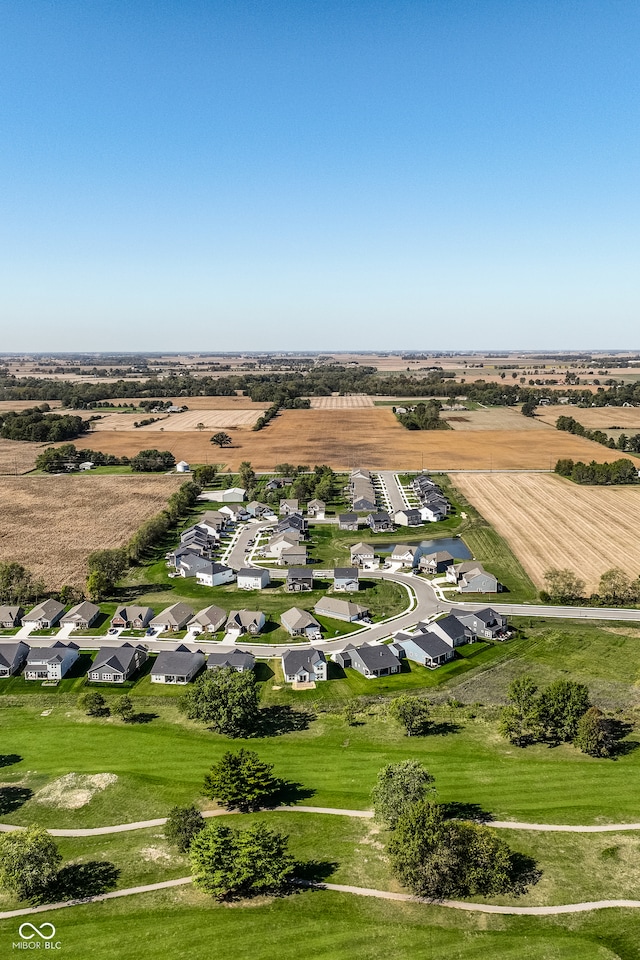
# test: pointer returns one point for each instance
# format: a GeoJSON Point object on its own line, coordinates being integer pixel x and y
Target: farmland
{"type": "Point", "coordinates": [369, 436]}
{"type": "Point", "coordinates": [18, 456]}
{"type": "Point", "coordinates": [551, 522]}
{"type": "Point", "coordinates": [51, 524]}
{"type": "Point", "coordinates": [492, 418]}
{"type": "Point", "coordinates": [594, 418]}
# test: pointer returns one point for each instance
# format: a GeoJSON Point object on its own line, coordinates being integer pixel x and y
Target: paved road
{"type": "Point", "coordinates": [556, 910]}
{"type": "Point", "coordinates": [394, 493]}
{"type": "Point", "coordinates": [335, 812]}
{"type": "Point", "coordinates": [236, 559]}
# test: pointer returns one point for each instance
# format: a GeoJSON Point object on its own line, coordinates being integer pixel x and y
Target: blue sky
{"type": "Point", "coordinates": [312, 174]}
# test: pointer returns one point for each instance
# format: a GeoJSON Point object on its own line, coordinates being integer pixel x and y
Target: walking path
{"type": "Point", "coordinates": [357, 891]}
{"type": "Point", "coordinates": [338, 812]}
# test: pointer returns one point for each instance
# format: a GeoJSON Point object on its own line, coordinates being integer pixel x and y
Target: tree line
{"type": "Point", "coordinates": [603, 474]}
{"type": "Point", "coordinates": [39, 426]}
{"type": "Point", "coordinates": [68, 458]}
{"type": "Point", "coordinates": [615, 589]}
{"type": "Point", "coordinates": [424, 416]}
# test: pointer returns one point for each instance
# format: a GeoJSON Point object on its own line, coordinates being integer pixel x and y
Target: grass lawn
{"type": "Point", "coordinates": [102, 623]}
{"type": "Point", "coordinates": [492, 550]}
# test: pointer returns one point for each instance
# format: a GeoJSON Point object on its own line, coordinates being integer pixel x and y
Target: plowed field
{"type": "Point", "coordinates": [51, 524]}
{"type": "Point", "coordinates": [368, 437]}
{"type": "Point", "coordinates": [595, 418]}
{"type": "Point", "coordinates": [552, 522]}
{"type": "Point", "coordinates": [18, 456]}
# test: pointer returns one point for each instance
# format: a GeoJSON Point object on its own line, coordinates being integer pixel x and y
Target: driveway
{"type": "Point", "coordinates": [394, 493]}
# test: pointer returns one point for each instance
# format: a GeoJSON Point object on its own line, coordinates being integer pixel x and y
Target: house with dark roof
{"type": "Point", "coordinates": [44, 615]}
{"type": "Point", "coordinates": [409, 517]}
{"type": "Point", "coordinates": [484, 624]}
{"type": "Point", "coordinates": [348, 521]}
{"type": "Point", "coordinates": [304, 665]}
{"type": "Point", "coordinates": [437, 562]}
{"type": "Point", "coordinates": [132, 617]}
{"type": "Point", "coordinates": [82, 616]}
{"type": "Point", "coordinates": [117, 664]}
{"type": "Point", "coordinates": [371, 660]}
{"type": "Point", "coordinates": [451, 630]}
{"type": "Point", "coordinates": [380, 522]}
{"type": "Point", "coordinates": [293, 522]}
{"type": "Point", "coordinates": [423, 647]}
{"type": "Point", "coordinates": [215, 574]}
{"type": "Point", "coordinates": [299, 580]}
{"type": "Point", "coordinates": [178, 666]}
{"type": "Point", "coordinates": [51, 663]}
{"type": "Point", "coordinates": [10, 617]}
{"type": "Point", "coordinates": [13, 656]}
{"type": "Point", "coordinates": [346, 580]}
{"type": "Point", "coordinates": [239, 660]}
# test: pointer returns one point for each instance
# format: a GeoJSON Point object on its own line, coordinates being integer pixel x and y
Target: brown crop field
{"type": "Point", "coordinates": [210, 419]}
{"type": "Point", "coordinates": [594, 418]}
{"type": "Point", "coordinates": [68, 517]}
{"type": "Point", "coordinates": [551, 522]}
{"type": "Point", "coordinates": [204, 403]}
{"type": "Point", "coordinates": [18, 456]}
{"type": "Point", "coordinates": [494, 418]}
{"type": "Point", "coordinates": [369, 437]}
{"type": "Point", "coordinates": [351, 402]}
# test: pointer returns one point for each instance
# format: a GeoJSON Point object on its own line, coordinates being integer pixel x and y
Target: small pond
{"type": "Point", "coordinates": [453, 545]}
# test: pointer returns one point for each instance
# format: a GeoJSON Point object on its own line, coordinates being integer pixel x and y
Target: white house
{"type": "Point", "coordinates": [51, 663]}
{"type": "Point", "coordinates": [232, 495]}
{"type": "Point", "coordinates": [304, 665]}
{"type": "Point", "coordinates": [253, 578]}
{"type": "Point", "coordinates": [214, 574]}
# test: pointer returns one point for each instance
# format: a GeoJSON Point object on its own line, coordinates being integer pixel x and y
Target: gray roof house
{"type": "Point", "coordinates": [375, 660]}
{"type": "Point", "coordinates": [209, 620]}
{"type": "Point", "coordinates": [471, 577]}
{"type": "Point", "coordinates": [177, 666]}
{"type": "Point", "coordinates": [451, 630]}
{"type": "Point", "coordinates": [44, 615]}
{"type": "Point", "coordinates": [288, 507]}
{"type": "Point", "coordinates": [362, 554]}
{"type": "Point", "coordinates": [404, 554]}
{"type": "Point", "coordinates": [435, 562]}
{"type": "Point", "coordinates": [213, 521]}
{"type": "Point", "coordinates": [245, 621]}
{"type": "Point", "coordinates": [485, 624]}
{"type": "Point", "coordinates": [348, 521]}
{"type": "Point", "coordinates": [214, 574]}
{"type": "Point", "coordinates": [239, 660]}
{"type": "Point", "coordinates": [345, 580]}
{"type": "Point", "coordinates": [299, 580]}
{"type": "Point", "coordinates": [81, 616]}
{"type": "Point", "coordinates": [380, 522]}
{"type": "Point", "coordinates": [408, 517]}
{"type": "Point", "coordinates": [253, 578]}
{"type": "Point", "coordinates": [340, 609]}
{"type": "Point", "coordinates": [316, 509]}
{"type": "Point", "coordinates": [294, 555]}
{"type": "Point", "coordinates": [51, 663]}
{"type": "Point", "coordinates": [12, 657]}
{"type": "Point", "coordinates": [132, 617]}
{"type": "Point", "coordinates": [10, 617]}
{"type": "Point", "coordinates": [117, 664]}
{"type": "Point", "coordinates": [423, 647]}
{"type": "Point", "coordinates": [299, 622]}
{"type": "Point", "coordinates": [306, 665]}
{"type": "Point", "coordinates": [175, 617]}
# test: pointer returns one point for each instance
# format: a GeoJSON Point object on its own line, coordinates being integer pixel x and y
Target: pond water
{"type": "Point", "coordinates": [454, 545]}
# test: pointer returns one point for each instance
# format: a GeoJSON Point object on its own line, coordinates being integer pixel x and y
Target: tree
{"type": "Point", "coordinates": [518, 719]}
{"type": "Point", "coordinates": [29, 861]}
{"type": "Point", "coordinates": [93, 703]}
{"type": "Point", "coordinates": [123, 707]}
{"type": "Point", "coordinates": [98, 586]}
{"type": "Point", "coordinates": [227, 862]}
{"type": "Point", "coordinates": [593, 735]}
{"type": "Point", "coordinates": [205, 474]}
{"type": "Point", "coordinates": [397, 787]}
{"type": "Point", "coordinates": [563, 585]}
{"type": "Point", "coordinates": [559, 708]}
{"type": "Point", "coordinates": [350, 712]}
{"type": "Point", "coordinates": [247, 474]}
{"type": "Point", "coordinates": [616, 587]}
{"type": "Point", "coordinates": [438, 858]}
{"type": "Point", "coordinates": [111, 563]}
{"type": "Point", "coordinates": [529, 408]}
{"type": "Point", "coordinates": [412, 712]}
{"type": "Point", "coordinates": [152, 461]}
{"type": "Point", "coordinates": [221, 439]}
{"type": "Point", "coordinates": [69, 594]}
{"type": "Point", "coordinates": [183, 823]}
{"type": "Point", "coordinates": [241, 781]}
{"type": "Point", "coordinates": [17, 584]}
{"type": "Point", "coordinates": [225, 700]}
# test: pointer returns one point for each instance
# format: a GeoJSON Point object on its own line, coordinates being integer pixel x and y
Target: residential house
{"type": "Point", "coordinates": [361, 490]}
{"type": "Point", "coordinates": [340, 609]}
{"type": "Point", "coordinates": [185, 552]}
{"type": "Point", "coordinates": [253, 578]}
{"type": "Point", "coordinates": [235, 512]}
{"type": "Point", "coordinates": [51, 663]}
{"type": "Point", "coordinates": [280, 542]}
{"type": "Point", "coordinates": [424, 647]}
{"type": "Point", "coordinates": [471, 577]}
{"type": "Point", "coordinates": [305, 665]}
{"type": "Point", "coordinates": [239, 660]}
{"type": "Point", "coordinates": [178, 666]}
{"type": "Point", "coordinates": [433, 511]}
{"type": "Point", "coordinates": [293, 523]}
{"type": "Point", "coordinates": [293, 556]}
{"type": "Point", "coordinates": [299, 580]}
{"type": "Point", "coordinates": [348, 521]}
{"type": "Point", "coordinates": [44, 615]}
{"type": "Point", "coordinates": [231, 495]}
{"type": "Point", "coordinates": [362, 555]}
{"type": "Point", "coordinates": [117, 664]}
{"type": "Point", "coordinates": [275, 484]}
{"type": "Point", "coordinates": [484, 624]}
{"type": "Point", "coordinates": [408, 517]}
{"type": "Point", "coordinates": [433, 563]}
{"type": "Point", "coordinates": [287, 507]}
{"type": "Point", "coordinates": [175, 617]}
{"type": "Point", "coordinates": [316, 509]}
{"type": "Point", "coordinates": [10, 617]}
{"type": "Point", "coordinates": [214, 574]}
{"type": "Point", "coordinates": [345, 580]}
{"type": "Point", "coordinates": [371, 660]}
{"type": "Point", "coordinates": [245, 621]}
{"type": "Point", "coordinates": [81, 616]}
{"type": "Point", "coordinates": [213, 521]}
{"type": "Point", "coordinates": [299, 623]}
{"type": "Point", "coordinates": [380, 522]}
{"type": "Point", "coordinates": [209, 620]}
{"type": "Point", "coordinates": [13, 656]}
{"type": "Point", "coordinates": [132, 617]}
{"type": "Point", "coordinates": [451, 630]}
{"type": "Point", "coordinates": [260, 511]}
{"type": "Point", "coordinates": [405, 555]}
{"type": "Point", "coordinates": [363, 502]}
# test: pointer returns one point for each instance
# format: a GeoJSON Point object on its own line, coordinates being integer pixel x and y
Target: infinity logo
{"type": "Point", "coordinates": [37, 931]}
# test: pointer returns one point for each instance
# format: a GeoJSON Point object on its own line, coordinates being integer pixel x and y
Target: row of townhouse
{"type": "Point", "coordinates": [434, 505]}
{"type": "Point", "coordinates": [378, 521]}
{"type": "Point", "coordinates": [361, 491]}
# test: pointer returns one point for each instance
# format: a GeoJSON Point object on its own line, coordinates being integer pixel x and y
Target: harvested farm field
{"type": "Point", "coordinates": [551, 522]}
{"type": "Point", "coordinates": [352, 402]}
{"type": "Point", "coordinates": [493, 418]}
{"type": "Point", "coordinates": [77, 515]}
{"type": "Point", "coordinates": [369, 437]}
{"type": "Point", "coordinates": [204, 403]}
{"type": "Point", "coordinates": [18, 456]}
{"type": "Point", "coordinates": [594, 418]}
